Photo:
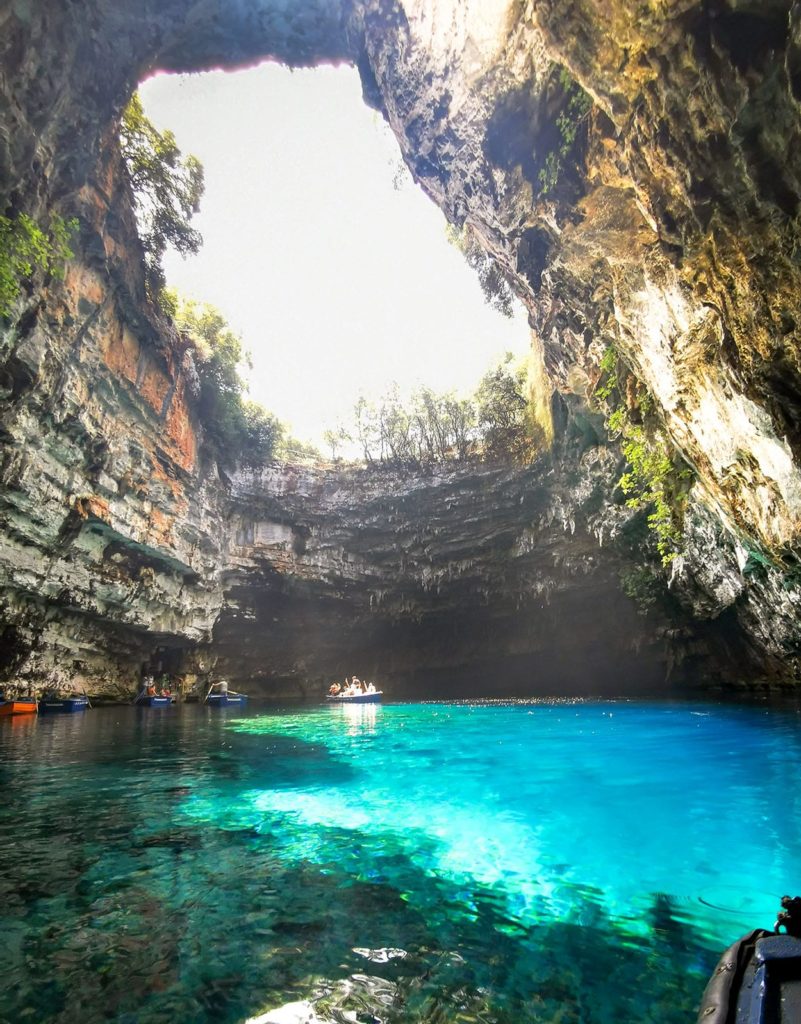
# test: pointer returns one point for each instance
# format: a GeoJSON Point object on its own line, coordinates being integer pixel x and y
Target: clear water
{"type": "Point", "coordinates": [433, 862]}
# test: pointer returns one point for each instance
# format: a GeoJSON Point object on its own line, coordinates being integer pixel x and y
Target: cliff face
{"type": "Point", "coordinates": [633, 168]}
{"type": "Point", "coordinates": [469, 581]}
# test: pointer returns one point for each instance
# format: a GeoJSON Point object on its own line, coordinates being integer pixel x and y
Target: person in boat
{"type": "Point", "coordinates": [150, 687]}
{"type": "Point", "coordinates": [221, 687]}
{"type": "Point", "coordinates": [334, 689]}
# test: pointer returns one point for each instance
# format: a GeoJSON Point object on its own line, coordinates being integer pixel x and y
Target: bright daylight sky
{"type": "Point", "coordinates": [337, 283]}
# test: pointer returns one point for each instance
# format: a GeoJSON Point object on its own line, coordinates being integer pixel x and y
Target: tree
{"type": "Point", "coordinates": [502, 404]}
{"type": "Point", "coordinates": [167, 190]}
{"type": "Point", "coordinates": [335, 439]}
{"type": "Point", "coordinates": [238, 431]}
{"type": "Point", "coordinates": [432, 429]}
{"type": "Point", "coordinates": [494, 283]}
{"type": "Point", "coordinates": [264, 435]}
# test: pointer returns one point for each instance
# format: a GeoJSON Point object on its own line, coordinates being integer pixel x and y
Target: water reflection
{"type": "Point", "coordinates": [359, 719]}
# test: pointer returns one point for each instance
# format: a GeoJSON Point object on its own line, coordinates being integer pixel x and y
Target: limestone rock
{"type": "Point", "coordinates": [633, 168]}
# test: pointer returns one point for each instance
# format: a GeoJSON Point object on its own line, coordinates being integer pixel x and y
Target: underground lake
{"type": "Point", "coordinates": [528, 861]}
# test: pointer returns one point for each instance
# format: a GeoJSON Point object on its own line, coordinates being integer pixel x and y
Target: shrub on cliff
{"type": "Point", "coordinates": [502, 405]}
{"type": "Point", "coordinates": [238, 432]}
{"type": "Point", "coordinates": [25, 248]}
{"type": "Point", "coordinates": [657, 479]}
{"type": "Point", "coordinates": [167, 190]}
{"type": "Point", "coordinates": [575, 106]}
{"type": "Point", "coordinates": [493, 281]}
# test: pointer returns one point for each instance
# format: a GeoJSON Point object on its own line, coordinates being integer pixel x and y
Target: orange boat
{"type": "Point", "coordinates": [18, 706]}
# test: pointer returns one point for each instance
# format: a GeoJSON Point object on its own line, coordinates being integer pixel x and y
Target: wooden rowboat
{"type": "Point", "coordinates": [18, 706]}
{"type": "Point", "coordinates": [226, 700]}
{"type": "Point", "coordinates": [64, 704]}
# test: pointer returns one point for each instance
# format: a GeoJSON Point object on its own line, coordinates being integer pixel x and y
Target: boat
{"type": "Point", "coordinates": [758, 979]}
{"type": "Point", "coordinates": [53, 703]}
{"type": "Point", "coordinates": [356, 698]}
{"type": "Point", "coordinates": [18, 706]}
{"type": "Point", "coordinates": [153, 701]}
{"type": "Point", "coordinates": [226, 700]}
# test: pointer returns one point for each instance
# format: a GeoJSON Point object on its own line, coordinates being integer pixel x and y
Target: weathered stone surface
{"type": "Point", "coordinates": [483, 580]}
{"type": "Point", "coordinates": [668, 228]}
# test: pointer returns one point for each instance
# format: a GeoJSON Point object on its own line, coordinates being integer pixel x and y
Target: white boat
{"type": "Point", "coordinates": [356, 698]}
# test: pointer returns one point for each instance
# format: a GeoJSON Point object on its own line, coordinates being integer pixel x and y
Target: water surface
{"type": "Point", "coordinates": [570, 862]}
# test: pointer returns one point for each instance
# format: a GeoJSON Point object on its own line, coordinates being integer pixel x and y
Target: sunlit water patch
{"type": "Point", "coordinates": [478, 862]}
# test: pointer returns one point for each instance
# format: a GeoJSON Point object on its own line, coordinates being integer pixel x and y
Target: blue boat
{"type": "Point", "coordinates": [70, 704]}
{"type": "Point", "coordinates": [153, 701]}
{"type": "Point", "coordinates": [226, 700]}
{"type": "Point", "coordinates": [356, 698]}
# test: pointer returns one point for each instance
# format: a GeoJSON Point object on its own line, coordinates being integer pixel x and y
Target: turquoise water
{"type": "Point", "coordinates": [571, 862]}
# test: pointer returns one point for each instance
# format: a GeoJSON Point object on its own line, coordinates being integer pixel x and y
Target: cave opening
{"type": "Point", "coordinates": [319, 249]}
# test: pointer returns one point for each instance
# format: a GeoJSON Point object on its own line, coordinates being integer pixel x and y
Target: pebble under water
{"type": "Point", "coordinates": [493, 862]}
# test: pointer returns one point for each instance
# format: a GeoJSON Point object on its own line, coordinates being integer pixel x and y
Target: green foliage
{"type": "Point", "coordinates": [433, 428]}
{"type": "Point", "coordinates": [335, 439]}
{"type": "Point", "coordinates": [657, 478]}
{"type": "Point", "coordinates": [502, 404]}
{"type": "Point", "coordinates": [608, 366]}
{"type": "Point", "coordinates": [26, 248]}
{"type": "Point", "coordinates": [643, 586]}
{"type": "Point", "coordinates": [292, 449]}
{"type": "Point", "coordinates": [167, 190]}
{"type": "Point", "coordinates": [494, 283]}
{"type": "Point", "coordinates": [263, 437]}
{"type": "Point", "coordinates": [757, 564]}
{"type": "Point", "coordinates": [575, 107]}
{"type": "Point", "coordinates": [239, 432]}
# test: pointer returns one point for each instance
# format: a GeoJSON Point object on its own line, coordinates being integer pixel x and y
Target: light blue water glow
{"type": "Point", "coordinates": [443, 862]}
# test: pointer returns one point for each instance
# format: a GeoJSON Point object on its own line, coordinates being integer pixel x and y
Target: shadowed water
{"type": "Point", "coordinates": [446, 863]}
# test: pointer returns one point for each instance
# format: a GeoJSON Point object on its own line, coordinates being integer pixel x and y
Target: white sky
{"type": "Point", "coordinates": [337, 283]}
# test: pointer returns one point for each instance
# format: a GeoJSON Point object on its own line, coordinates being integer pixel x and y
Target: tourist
{"type": "Point", "coordinates": [334, 689]}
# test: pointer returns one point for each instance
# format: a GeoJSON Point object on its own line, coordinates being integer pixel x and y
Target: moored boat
{"type": "Point", "coordinates": [153, 701]}
{"type": "Point", "coordinates": [18, 706]}
{"type": "Point", "coordinates": [69, 705]}
{"type": "Point", "coordinates": [356, 698]}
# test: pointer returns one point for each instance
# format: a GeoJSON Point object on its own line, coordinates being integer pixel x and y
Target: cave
{"type": "Point", "coordinates": [580, 786]}
{"type": "Point", "coordinates": [111, 514]}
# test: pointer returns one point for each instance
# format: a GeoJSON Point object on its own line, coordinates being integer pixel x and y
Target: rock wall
{"type": "Point", "coordinates": [462, 581]}
{"type": "Point", "coordinates": [657, 216]}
